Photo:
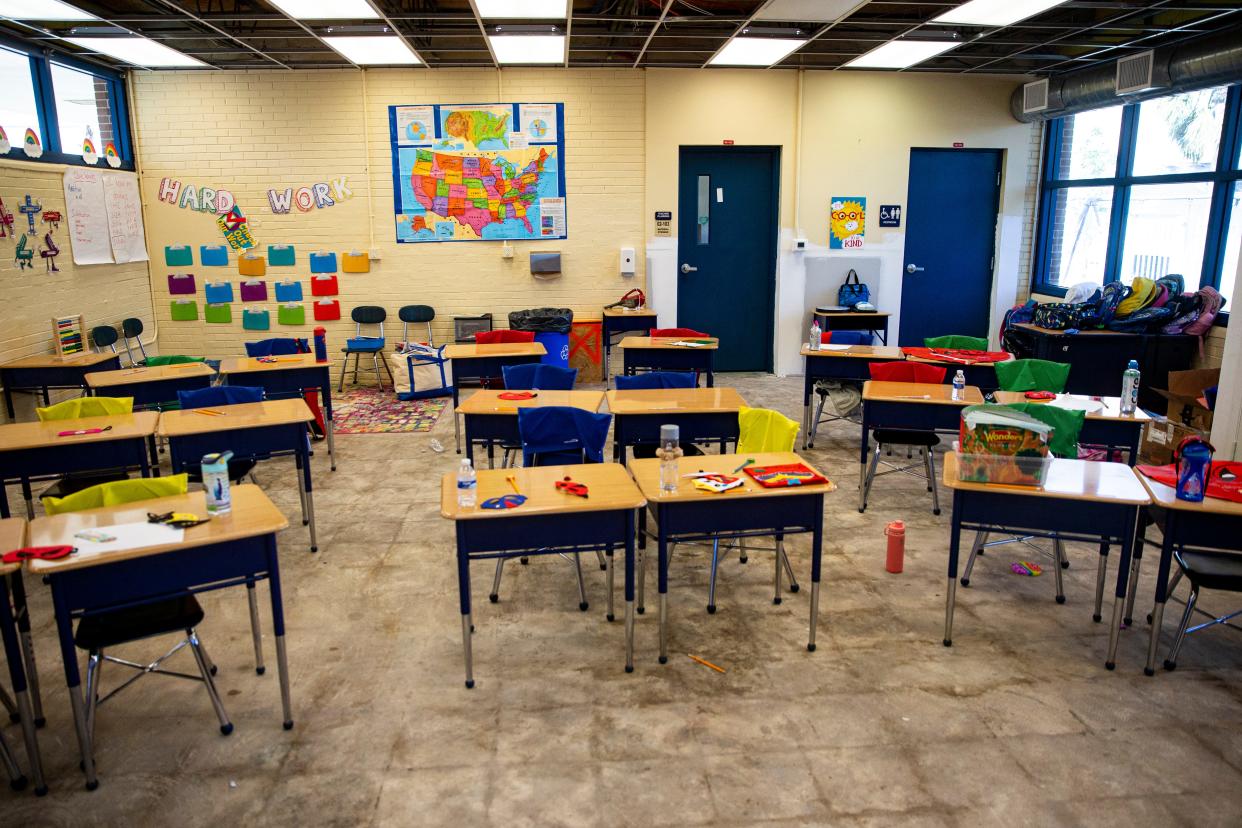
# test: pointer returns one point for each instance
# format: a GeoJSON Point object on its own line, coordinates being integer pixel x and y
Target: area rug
{"type": "Point", "coordinates": [372, 411]}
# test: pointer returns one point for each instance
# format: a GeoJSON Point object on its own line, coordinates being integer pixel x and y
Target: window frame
{"type": "Point", "coordinates": [1223, 178]}
{"type": "Point", "coordinates": [41, 61]}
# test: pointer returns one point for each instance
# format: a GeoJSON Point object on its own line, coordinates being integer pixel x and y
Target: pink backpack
{"type": "Point", "coordinates": [1210, 302]}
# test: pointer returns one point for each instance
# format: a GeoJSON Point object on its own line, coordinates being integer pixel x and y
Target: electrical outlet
{"type": "Point", "coordinates": [799, 244]}
{"type": "Point", "coordinates": [373, 254]}
{"type": "Point", "coordinates": [506, 252]}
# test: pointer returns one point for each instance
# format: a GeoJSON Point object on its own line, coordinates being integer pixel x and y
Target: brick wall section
{"type": "Point", "coordinates": [251, 131]}
{"type": "Point", "coordinates": [1030, 214]}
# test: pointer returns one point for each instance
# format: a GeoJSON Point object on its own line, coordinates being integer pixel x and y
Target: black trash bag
{"type": "Point", "coordinates": [542, 320]}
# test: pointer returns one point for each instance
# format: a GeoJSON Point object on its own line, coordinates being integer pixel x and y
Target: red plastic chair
{"type": "Point", "coordinates": [669, 332]}
{"type": "Point", "coordinates": [505, 335]}
{"type": "Point", "coordinates": [907, 372]}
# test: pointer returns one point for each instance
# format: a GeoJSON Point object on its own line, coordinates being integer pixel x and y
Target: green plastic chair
{"type": "Point", "coordinates": [117, 492]}
{"type": "Point", "coordinates": [1032, 375]}
{"type": "Point", "coordinates": [968, 343]}
{"type": "Point", "coordinates": [172, 359]}
{"type": "Point", "coordinates": [86, 407]}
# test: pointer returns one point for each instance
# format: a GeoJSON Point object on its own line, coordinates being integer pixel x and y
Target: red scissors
{"type": "Point", "coordinates": [44, 553]}
{"type": "Point", "coordinates": [570, 487]}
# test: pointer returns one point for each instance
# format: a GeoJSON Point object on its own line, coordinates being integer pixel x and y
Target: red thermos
{"type": "Point", "coordinates": [896, 557]}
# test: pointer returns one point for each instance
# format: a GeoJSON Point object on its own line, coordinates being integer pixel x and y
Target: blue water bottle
{"type": "Point", "coordinates": [321, 345]}
{"type": "Point", "coordinates": [1194, 467]}
{"type": "Point", "coordinates": [216, 482]}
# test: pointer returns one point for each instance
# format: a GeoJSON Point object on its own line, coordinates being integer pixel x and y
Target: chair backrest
{"type": "Point", "coordinates": [1066, 426]}
{"type": "Point", "coordinates": [968, 343]}
{"type": "Point", "coordinates": [761, 429]}
{"type": "Point", "coordinates": [503, 335]}
{"type": "Point", "coordinates": [1032, 375]}
{"type": "Point", "coordinates": [278, 346]}
{"type": "Point", "coordinates": [537, 376]}
{"type": "Point", "coordinates": [846, 337]}
{"type": "Point", "coordinates": [557, 434]}
{"type": "Point", "coordinates": [117, 492]}
{"type": "Point", "coordinates": [105, 336]}
{"type": "Point", "coordinates": [219, 395]}
{"type": "Point", "coordinates": [172, 359]}
{"type": "Point", "coordinates": [657, 379]}
{"type": "Point", "coordinates": [416, 313]}
{"type": "Point", "coordinates": [665, 332]}
{"type": "Point", "coordinates": [86, 407]}
{"type": "Point", "coordinates": [368, 314]}
{"type": "Point", "coordinates": [131, 327]}
{"type": "Point", "coordinates": [907, 372]}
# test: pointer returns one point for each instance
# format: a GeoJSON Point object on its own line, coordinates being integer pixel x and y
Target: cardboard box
{"type": "Point", "coordinates": [1161, 437]}
{"type": "Point", "coordinates": [1185, 395]}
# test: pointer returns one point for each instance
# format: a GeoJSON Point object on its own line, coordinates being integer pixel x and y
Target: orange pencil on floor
{"type": "Point", "coordinates": [705, 663]}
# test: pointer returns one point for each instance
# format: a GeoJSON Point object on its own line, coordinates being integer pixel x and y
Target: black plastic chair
{"type": "Point", "coordinates": [132, 329]}
{"type": "Point", "coordinates": [105, 336]}
{"type": "Point", "coordinates": [416, 314]}
{"type": "Point", "coordinates": [1204, 570]}
{"type": "Point", "coordinates": [359, 344]}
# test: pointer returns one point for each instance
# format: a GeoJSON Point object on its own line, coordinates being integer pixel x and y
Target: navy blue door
{"type": "Point", "coordinates": [951, 213]}
{"type": "Point", "coordinates": [726, 229]}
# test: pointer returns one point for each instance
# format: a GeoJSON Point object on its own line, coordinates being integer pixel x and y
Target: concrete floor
{"type": "Point", "coordinates": [1017, 724]}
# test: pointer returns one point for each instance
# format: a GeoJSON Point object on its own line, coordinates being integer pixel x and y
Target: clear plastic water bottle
{"type": "Point", "coordinates": [467, 484]}
{"type": "Point", "coordinates": [816, 335]}
{"type": "Point", "coordinates": [670, 437]}
{"type": "Point", "coordinates": [215, 469]}
{"type": "Point", "coordinates": [1130, 389]}
{"type": "Point", "coordinates": [959, 385]}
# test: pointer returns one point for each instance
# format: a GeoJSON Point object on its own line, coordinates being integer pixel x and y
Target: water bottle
{"type": "Point", "coordinates": [467, 484]}
{"type": "Point", "coordinates": [894, 560]}
{"type": "Point", "coordinates": [321, 345]}
{"type": "Point", "coordinates": [817, 334]}
{"type": "Point", "coordinates": [670, 435]}
{"type": "Point", "coordinates": [1130, 389]}
{"type": "Point", "coordinates": [216, 482]}
{"type": "Point", "coordinates": [959, 385]}
{"type": "Point", "coordinates": [1194, 468]}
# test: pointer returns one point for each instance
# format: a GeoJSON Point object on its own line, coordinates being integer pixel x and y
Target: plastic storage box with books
{"type": "Point", "coordinates": [998, 444]}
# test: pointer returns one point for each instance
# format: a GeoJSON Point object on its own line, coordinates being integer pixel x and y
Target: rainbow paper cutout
{"type": "Point", "coordinates": [32, 146]}
{"type": "Point", "coordinates": [4, 142]}
{"type": "Point", "coordinates": [89, 155]}
{"type": "Point", "coordinates": [110, 155]}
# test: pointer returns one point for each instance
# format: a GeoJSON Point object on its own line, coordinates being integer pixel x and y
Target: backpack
{"type": "Point", "coordinates": [1055, 316]}
{"type": "Point", "coordinates": [1105, 308]}
{"type": "Point", "coordinates": [1210, 303]}
{"type": "Point", "coordinates": [1015, 316]}
{"type": "Point", "coordinates": [1141, 321]}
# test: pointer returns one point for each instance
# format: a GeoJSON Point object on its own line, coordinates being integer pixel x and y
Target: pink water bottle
{"type": "Point", "coordinates": [896, 557]}
{"type": "Point", "coordinates": [321, 345]}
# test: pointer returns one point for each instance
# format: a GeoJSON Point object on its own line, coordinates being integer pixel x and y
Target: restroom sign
{"type": "Point", "coordinates": [890, 215]}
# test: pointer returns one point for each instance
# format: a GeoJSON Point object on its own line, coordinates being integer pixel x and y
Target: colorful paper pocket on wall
{"type": "Point", "coordinates": [218, 292]}
{"type": "Point", "coordinates": [355, 262]}
{"type": "Point", "coordinates": [327, 310]}
{"type": "Point", "coordinates": [254, 290]}
{"type": "Point", "coordinates": [256, 320]}
{"type": "Point", "coordinates": [251, 264]}
{"type": "Point", "coordinates": [281, 255]}
{"type": "Point", "coordinates": [288, 291]}
{"type": "Point", "coordinates": [184, 310]}
{"type": "Point", "coordinates": [218, 314]}
{"type": "Point", "coordinates": [214, 255]}
{"type": "Point", "coordinates": [181, 283]}
{"type": "Point", "coordinates": [178, 255]}
{"type": "Point", "coordinates": [324, 285]}
{"type": "Point", "coordinates": [291, 314]}
{"type": "Point", "coordinates": [323, 262]}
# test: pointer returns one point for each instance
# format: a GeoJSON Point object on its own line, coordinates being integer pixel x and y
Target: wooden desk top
{"type": "Point", "coordinates": [158, 373]}
{"type": "Point", "coordinates": [1050, 332]}
{"type": "Point", "coordinates": [628, 312]}
{"type": "Point", "coordinates": [610, 488]}
{"type": "Point", "coordinates": [674, 400]}
{"type": "Point", "coordinates": [53, 361]}
{"type": "Point", "coordinates": [1166, 496]}
{"type": "Point", "coordinates": [1067, 480]}
{"type": "Point", "coordinates": [12, 536]}
{"type": "Point", "coordinates": [950, 363]}
{"type": "Point", "coordinates": [857, 314]}
{"type": "Point", "coordinates": [937, 393]}
{"type": "Point", "coordinates": [647, 475]}
{"type": "Point", "coordinates": [17, 436]}
{"type": "Point", "coordinates": [466, 350]}
{"type": "Point", "coordinates": [488, 401]}
{"type": "Point", "coordinates": [857, 352]}
{"type": "Point", "coordinates": [664, 343]}
{"type": "Point", "coordinates": [233, 417]}
{"type": "Point", "coordinates": [251, 365]}
{"type": "Point", "coordinates": [1111, 411]}
{"type": "Point", "coordinates": [252, 515]}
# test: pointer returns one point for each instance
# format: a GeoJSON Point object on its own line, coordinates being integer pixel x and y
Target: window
{"type": "Point", "coordinates": [17, 104]}
{"type": "Point", "coordinates": [83, 107]}
{"type": "Point", "coordinates": [1145, 189]}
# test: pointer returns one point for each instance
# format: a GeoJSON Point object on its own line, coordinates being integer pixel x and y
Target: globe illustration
{"type": "Point", "coordinates": [538, 128]}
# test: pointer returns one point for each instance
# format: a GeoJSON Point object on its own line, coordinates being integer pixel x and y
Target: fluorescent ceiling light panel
{"type": "Point", "coordinates": [361, 49]}
{"type": "Point", "coordinates": [805, 11]}
{"type": "Point", "coordinates": [995, 12]}
{"type": "Point", "coordinates": [528, 48]}
{"type": "Point", "coordinates": [755, 51]}
{"type": "Point", "coordinates": [140, 51]}
{"type": "Point", "coordinates": [42, 10]}
{"type": "Point", "coordinates": [900, 54]}
{"type": "Point", "coordinates": [522, 9]}
{"type": "Point", "coordinates": [326, 9]}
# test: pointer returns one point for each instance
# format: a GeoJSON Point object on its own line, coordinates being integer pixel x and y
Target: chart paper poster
{"type": "Point", "coordinates": [125, 231]}
{"type": "Point", "coordinates": [847, 224]}
{"type": "Point", "coordinates": [87, 216]}
{"type": "Point", "coordinates": [471, 172]}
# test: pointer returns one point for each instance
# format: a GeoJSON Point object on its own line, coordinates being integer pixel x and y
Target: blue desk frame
{"type": "Point", "coordinates": [613, 325]}
{"type": "Point", "coordinates": [634, 429]}
{"type": "Point", "coordinates": [1113, 434]}
{"type": "Point", "coordinates": [287, 383]}
{"type": "Point", "coordinates": [480, 368]}
{"type": "Point", "coordinates": [50, 462]}
{"type": "Point", "coordinates": [855, 321]}
{"type": "Point", "coordinates": [674, 358]}
{"type": "Point", "coordinates": [43, 379]}
{"type": "Point", "coordinates": [922, 415]}
{"type": "Point", "coordinates": [156, 393]}
{"type": "Point", "coordinates": [20, 660]}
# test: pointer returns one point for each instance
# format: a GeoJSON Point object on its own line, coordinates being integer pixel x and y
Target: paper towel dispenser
{"type": "Point", "coordinates": [544, 264]}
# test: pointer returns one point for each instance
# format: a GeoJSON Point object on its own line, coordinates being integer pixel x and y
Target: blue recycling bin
{"type": "Point", "coordinates": [557, 347]}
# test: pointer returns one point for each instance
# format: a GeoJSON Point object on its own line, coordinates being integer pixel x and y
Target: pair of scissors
{"type": "Point", "coordinates": [177, 520]}
{"type": "Point", "coordinates": [570, 487]}
{"type": "Point", "coordinates": [43, 553]}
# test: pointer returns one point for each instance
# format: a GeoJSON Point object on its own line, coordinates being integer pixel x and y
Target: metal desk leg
{"type": "Point", "coordinates": [328, 417]}
{"type": "Point", "coordinates": [69, 656]}
{"type": "Point", "coordinates": [1123, 572]}
{"type": "Point", "coordinates": [808, 439]}
{"type": "Point", "coordinates": [278, 630]}
{"type": "Point", "coordinates": [1101, 571]}
{"type": "Point", "coordinates": [1162, 587]}
{"type": "Point", "coordinates": [21, 612]}
{"type": "Point", "coordinates": [950, 596]}
{"type": "Point", "coordinates": [463, 587]}
{"type": "Point", "coordinates": [629, 592]}
{"type": "Point", "coordinates": [642, 555]}
{"type": "Point", "coordinates": [817, 544]}
{"type": "Point", "coordinates": [253, 600]}
{"type": "Point", "coordinates": [662, 546]}
{"type": "Point", "coordinates": [304, 472]}
{"type": "Point", "coordinates": [609, 577]}
{"type": "Point", "coordinates": [8, 397]}
{"type": "Point", "coordinates": [14, 656]}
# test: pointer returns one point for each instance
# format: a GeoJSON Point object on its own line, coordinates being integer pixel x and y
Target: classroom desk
{"type": "Point", "coordinates": [902, 405]}
{"type": "Point", "coordinates": [1211, 525]}
{"type": "Point", "coordinates": [689, 514]}
{"type": "Point", "coordinates": [20, 657]}
{"type": "Point", "coordinates": [623, 320]}
{"type": "Point", "coordinates": [549, 522]}
{"type": "Point", "coordinates": [1109, 427]}
{"type": "Point", "coordinates": [875, 321]}
{"type": "Point", "coordinates": [474, 361]}
{"type": "Point", "coordinates": [252, 431]}
{"type": "Point", "coordinates": [849, 363]}
{"type": "Point", "coordinates": [151, 387]}
{"type": "Point", "coordinates": [704, 415]}
{"type": "Point", "coordinates": [982, 375]}
{"type": "Point", "coordinates": [289, 376]}
{"type": "Point", "coordinates": [491, 420]}
{"type": "Point", "coordinates": [229, 550]}
{"type": "Point", "coordinates": [32, 451]}
{"type": "Point", "coordinates": [46, 371]}
{"type": "Point", "coordinates": [1080, 500]}
{"type": "Point", "coordinates": [657, 353]}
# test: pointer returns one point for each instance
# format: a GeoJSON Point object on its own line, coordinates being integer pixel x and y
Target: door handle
{"type": "Point", "coordinates": [685, 268]}
{"type": "Point", "coordinates": [913, 268]}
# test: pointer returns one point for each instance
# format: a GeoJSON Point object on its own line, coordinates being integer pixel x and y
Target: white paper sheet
{"type": "Point", "coordinates": [1075, 403]}
{"type": "Point", "coordinates": [129, 536]}
{"type": "Point", "coordinates": [828, 346]}
{"type": "Point", "coordinates": [87, 214]}
{"type": "Point", "coordinates": [124, 206]}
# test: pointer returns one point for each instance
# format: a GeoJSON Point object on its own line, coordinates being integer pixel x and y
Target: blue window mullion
{"type": "Point", "coordinates": [45, 96]}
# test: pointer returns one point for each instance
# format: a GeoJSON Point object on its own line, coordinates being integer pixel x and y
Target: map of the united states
{"type": "Point", "coordinates": [474, 190]}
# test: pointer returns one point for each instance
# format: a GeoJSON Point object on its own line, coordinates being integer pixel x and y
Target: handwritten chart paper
{"type": "Point", "coordinates": [87, 215]}
{"type": "Point", "coordinates": [124, 206]}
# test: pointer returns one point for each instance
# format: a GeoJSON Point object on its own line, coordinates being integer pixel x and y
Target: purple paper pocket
{"type": "Point", "coordinates": [181, 283]}
{"type": "Point", "coordinates": [254, 291]}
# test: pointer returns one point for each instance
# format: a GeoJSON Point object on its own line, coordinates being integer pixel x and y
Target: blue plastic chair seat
{"type": "Point", "coordinates": [364, 344]}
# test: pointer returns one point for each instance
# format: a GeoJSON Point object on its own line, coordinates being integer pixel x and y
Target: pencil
{"type": "Point", "coordinates": [705, 663]}
{"type": "Point", "coordinates": [512, 478]}
{"type": "Point", "coordinates": [914, 397]}
{"type": "Point", "coordinates": [211, 412]}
